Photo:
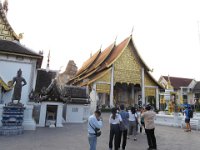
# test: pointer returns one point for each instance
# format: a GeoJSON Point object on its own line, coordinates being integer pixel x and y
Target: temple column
{"type": "Point", "coordinates": [143, 86]}
{"type": "Point", "coordinates": [133, 95]}
{"type": "Point", "coordinates": [112, 87]}
{"type": "Point", "coordinates": [157, 98]}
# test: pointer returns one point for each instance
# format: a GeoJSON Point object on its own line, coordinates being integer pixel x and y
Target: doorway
{"type": "Point", "coordinates": [51, 115]}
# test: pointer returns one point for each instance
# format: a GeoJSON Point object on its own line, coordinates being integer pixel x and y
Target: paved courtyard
{"type": "Point", "coordinates": [74, 137]}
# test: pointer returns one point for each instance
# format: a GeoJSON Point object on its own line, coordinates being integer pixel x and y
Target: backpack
{"type": "Point", "coordinates": [190, 113]}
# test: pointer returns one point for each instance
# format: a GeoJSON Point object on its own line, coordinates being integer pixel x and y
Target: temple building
{"type": "Point", "coordinates": [182, 88]}
{"type": "Point", "coordinates": [118, 75]}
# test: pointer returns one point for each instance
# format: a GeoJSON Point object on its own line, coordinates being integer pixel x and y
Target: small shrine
{"type": "Point", "coordinates": [57, 102]}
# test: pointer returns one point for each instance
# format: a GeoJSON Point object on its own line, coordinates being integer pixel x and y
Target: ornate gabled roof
{"type": "Point", "coordinates": [3, 16]}
{"type": "Point", "coordinates": [88, 63]}
{"type": "Point", "coordinates": [178, 82]}
{"type": "Point", "coordinates": [102, 57]}
{"type": "Point", "coordinates": [104, 61]}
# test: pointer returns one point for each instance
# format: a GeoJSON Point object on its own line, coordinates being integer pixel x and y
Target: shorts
{"type": "Point", "coordinates": [187, 120]}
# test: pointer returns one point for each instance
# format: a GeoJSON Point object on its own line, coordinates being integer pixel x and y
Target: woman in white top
{"type": "Point", "coordinates": [115, 120]}
{"type": "Point", "coordinates": [133, 118]}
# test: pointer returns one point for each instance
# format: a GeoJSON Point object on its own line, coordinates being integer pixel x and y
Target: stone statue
{"type": "Point", "coordinates": [18, 85]}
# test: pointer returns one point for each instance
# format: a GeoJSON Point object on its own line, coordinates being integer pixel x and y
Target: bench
{"type": "Point", "coordinates": [193, 122]}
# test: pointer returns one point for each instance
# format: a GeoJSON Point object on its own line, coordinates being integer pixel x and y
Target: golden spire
{"type": "Point", "coordinates": [132, 31]}
{"type": "Point", "coordinates": [48, 60]}
{"type": "Point", "coordinates": [169, 86]}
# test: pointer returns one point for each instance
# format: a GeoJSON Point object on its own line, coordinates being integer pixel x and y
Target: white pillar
{"type": "Point", "coordinates": [59, 115]}
{"type": "Point", "coordinates": [43, 110]}
{"type": "Point", "coordinates": [157, 98]}
{"type": "Point", "coordinates": [143, 87]}
{"type": "Point", "coordinates": [29, 123]}
{"type": "Point", "coordinates": [133, 94]}
{"type": "Point", "coordinates": [112, 87]}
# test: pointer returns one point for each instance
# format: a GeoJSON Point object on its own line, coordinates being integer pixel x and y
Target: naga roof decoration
{"type": "Point", "coordinates": [6, 87]}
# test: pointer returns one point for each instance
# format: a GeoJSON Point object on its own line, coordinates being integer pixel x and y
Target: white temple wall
{"type": "Point", "coordinates": [11, 65]}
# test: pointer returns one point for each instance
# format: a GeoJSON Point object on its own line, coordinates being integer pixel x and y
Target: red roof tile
{"type": "Point", "coordinates": [178, 82]}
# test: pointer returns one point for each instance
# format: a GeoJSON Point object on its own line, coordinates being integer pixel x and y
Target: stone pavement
{"type": "Point", "coordinates": [74, 137]}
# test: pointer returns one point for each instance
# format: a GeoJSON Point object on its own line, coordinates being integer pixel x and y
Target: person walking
{"type": "Point", "coordinates": [123, 127]}
{"type": "Point", "coordinates": [149, 117]}
{"type": "Point", "coordinates": [94, 121]}
{"type": "Point", "coordinates": [187, 118]}
{"type": "Point", "coordinates": [133, 118]}
{"type": "Point", "coordinates": [115, 120]}
{"type": "Point", "coordinates": [142, 124]}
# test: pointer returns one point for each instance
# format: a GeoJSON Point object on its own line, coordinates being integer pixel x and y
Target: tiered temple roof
{"type": "Point", "coordinates": [100, 63]}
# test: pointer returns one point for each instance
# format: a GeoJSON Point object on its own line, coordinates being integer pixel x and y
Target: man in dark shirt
{"type": "Point", "coordinates": [187, 119]}
{"type": "Point", "coordinates": [124, 126]}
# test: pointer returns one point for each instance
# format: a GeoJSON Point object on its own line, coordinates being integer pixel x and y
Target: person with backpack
{"type": "Point", "coordinates": [94, 125]}
{"type": "Point", "coordinates": [188, 114]}
{"type": "Point", "coordinates": [123, 126]}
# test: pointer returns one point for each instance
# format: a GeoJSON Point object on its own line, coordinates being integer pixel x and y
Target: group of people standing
{"type": "Point", "coordinates": [123, 124]}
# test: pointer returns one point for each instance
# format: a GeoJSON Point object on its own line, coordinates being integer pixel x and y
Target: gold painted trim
{"type": "Point", "coordinates": [104, 73]}
{"type": "Point", "coordinates": [119, 54]}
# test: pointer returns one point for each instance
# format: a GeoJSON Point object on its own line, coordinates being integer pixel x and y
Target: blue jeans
{"type": "Point", "coordinates": [92, 141]}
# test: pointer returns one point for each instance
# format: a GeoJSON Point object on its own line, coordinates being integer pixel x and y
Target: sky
{"type": "Point", "coordinates": [165, 32]}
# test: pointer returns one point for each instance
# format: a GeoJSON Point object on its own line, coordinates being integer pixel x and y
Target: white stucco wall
{"type": "Point", "coordinates": [9, 66]}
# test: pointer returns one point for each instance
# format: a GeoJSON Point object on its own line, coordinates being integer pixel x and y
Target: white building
{"type": "Point", "coordinates": [181, 87]}
{"type": "Point", "coordinates": [15, 56]}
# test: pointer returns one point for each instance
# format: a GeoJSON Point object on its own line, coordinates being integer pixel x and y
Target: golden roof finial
{"type": "Point", "coordinates": [169, 86]}
{"type": "Point", "coordinates": [132, 30]}
{"type": "Point", "coordinates": [115, 40]}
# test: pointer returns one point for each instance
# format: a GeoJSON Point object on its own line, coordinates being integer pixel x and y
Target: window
{"type": "Point", "coordinates": [74, 109]}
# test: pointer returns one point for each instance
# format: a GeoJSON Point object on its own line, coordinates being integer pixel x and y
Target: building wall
{"type": "Point", "coordinates": [9, 66]}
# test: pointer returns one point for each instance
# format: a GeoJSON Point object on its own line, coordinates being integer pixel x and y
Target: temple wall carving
{"type": "Point", "coordinates": [127, 68]}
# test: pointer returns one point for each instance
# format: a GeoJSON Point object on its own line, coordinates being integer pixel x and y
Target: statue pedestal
{"type": "Point", "coordinates": [1, 112]}
{"type": "Point", "coordinates": [29, 123]}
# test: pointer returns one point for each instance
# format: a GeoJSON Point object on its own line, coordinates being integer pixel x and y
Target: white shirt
{"type": "Point", "coordinates": [117, 119]}
{"type": "Point", "coordinates": [132, 116]}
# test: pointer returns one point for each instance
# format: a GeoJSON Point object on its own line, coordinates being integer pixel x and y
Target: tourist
{"type": "Point", "coordinates": [133, 118]}
{"type": "Point", "coordinates": [123, 127]}
{"type": "Point", "coordinates": [94, 121]}
{"type": "Point", "coordinates": [142, 124]}
{"type": "Point", "coordinates": [149, 117]}
{"type": "Point", "coordinates": [115, 120]}
{"type": "Point", "coordinates": [187, 118]}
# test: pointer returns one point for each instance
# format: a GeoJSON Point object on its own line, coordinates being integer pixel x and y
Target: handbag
{"type": "Point", "coordinates": [122, 126]}
{"type": "Point", "coordinates": [96, 130]}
